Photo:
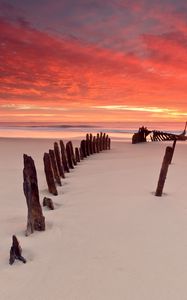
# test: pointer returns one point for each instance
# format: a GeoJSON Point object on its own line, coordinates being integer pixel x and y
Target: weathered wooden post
{"type": "Point", "coordinates": [49, 175]}
{"type": "Point", "coordinates": [69, 155]}
{"type": "Point", "coordinates": [77, 154]}
{"type": "Point", "coordinates": [109, 144]}
{"type": "Point", "coordinates": [173, 149]}
{"type": "Point", "coordinates": [101, 141]}
{"type": "Point", "coordinates": [55, 167]}
{"type": "Point", "coordinates": [94, 145]}
{"type": "Point", "coordinates": [91, 144]}
{"type": "Point", "coordinates": [98, 143]}
{"type": "Point", "coordinates": [106, 143]}
{"type": "Point", "coordinates": [48, 202]}
{"type": "Point", "coordinates": [64, 157]}
{"type": "Point", "coordinates": [72, 153]}
{"type": "Point", "coordinates": [58, 160]}
{"type": "Point", "coordinates": [81, 153]}
{"type": "Point", "coordinates": [163, 171]}
{"type": "Point", "coordinates": [35, 218]}
{"type": "Point", "coordinates": [83, 148]}
{"type": "Point", "coordinates": [16, 251]}
{"type": "Point", "coordinates": [87, 144]}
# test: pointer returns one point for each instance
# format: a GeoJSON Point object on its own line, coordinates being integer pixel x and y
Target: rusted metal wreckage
{"type": "Point", "coordinates": [156, 135]}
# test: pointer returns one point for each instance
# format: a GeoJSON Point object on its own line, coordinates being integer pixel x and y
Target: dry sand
{"type": "Point", "coordinates": [109, 236]}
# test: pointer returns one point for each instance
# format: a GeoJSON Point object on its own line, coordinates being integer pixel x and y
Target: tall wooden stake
{"type": "Point", "coordinates": [69, 155]}
{"type": "Point", "coordinates": [64, 157]}
{"type": "Point", "coordinates": [109, 144]}
{"type": "Point", "coordinates": [49, 175]}
{"type": "Point", "coordinates": [81, 153]}
{"type": "Point", "coordinates": [83, 148]}
{"type": "Point", "coordinates": [98, 143]}
{"type": "Point", "coordinates": [101, 141]}
{"type": "Point", "coordinates": [58, 160]}
{"type": "Point", "coordinates": [77, 154]}
{"type": "Point", "coordinates": [72, 153]}
{"type": "Point", "coordinates": [163, 171]}
{"type": "Point", "coordinates": [94, 145]}
{"type": "Point", "coordinates": [87, 144]}
{"type": "Point", "coordinates": [35, 218]}
{"type": "Point", "coordinates": [55, 167]}
{"type": "Point", "coordinates": [91, 144]}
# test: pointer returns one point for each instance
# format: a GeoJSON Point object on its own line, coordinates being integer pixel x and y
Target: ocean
{"type": "Point", "coordinates": [116, 130]}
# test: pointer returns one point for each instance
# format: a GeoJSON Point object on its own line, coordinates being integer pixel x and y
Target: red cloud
{"type": "Point", "coordinates": [40, 68]}
{"type": "Point", "coordinates": [36, 63]}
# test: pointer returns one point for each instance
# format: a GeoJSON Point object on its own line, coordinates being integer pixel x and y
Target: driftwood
{"type": "Point", "coordinates": [48, 202]}
{"type": "Point", "coordinates": [49, 175]}
{"type": "Point", "coordinates": [55, 167]}
{"type": "Point", "coordinates": [64, 157]}
{"type": "Point", "coordinates": [77, 154]}
{"type": "Point", "coordinates": [35, 219]}
{"type": "Point", "coordinates": [15, 251]}
{"type": "Point", "coordinates": [58, 160]}
{"type": "Point", "coordinates": [163, 171]}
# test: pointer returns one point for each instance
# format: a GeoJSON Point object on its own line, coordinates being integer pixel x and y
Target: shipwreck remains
{"type": "Point", "coordinates": [156, 135]}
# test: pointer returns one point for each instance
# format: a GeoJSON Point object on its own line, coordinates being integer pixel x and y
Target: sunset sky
{"type": "Point", "coordinates": [93, 60]}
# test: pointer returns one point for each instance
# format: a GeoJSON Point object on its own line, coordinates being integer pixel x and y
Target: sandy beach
{"type": "Point", "coordinates": [109, 237]}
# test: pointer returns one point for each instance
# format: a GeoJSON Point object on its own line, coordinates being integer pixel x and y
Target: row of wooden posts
{"type": "Point", "coordinates": [57, 162]}
{"type": "Point", "coordinates": [61, 159]}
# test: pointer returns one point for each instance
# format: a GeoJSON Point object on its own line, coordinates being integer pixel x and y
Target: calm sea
{"type": "Point", "coordinates": [117, 131]}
